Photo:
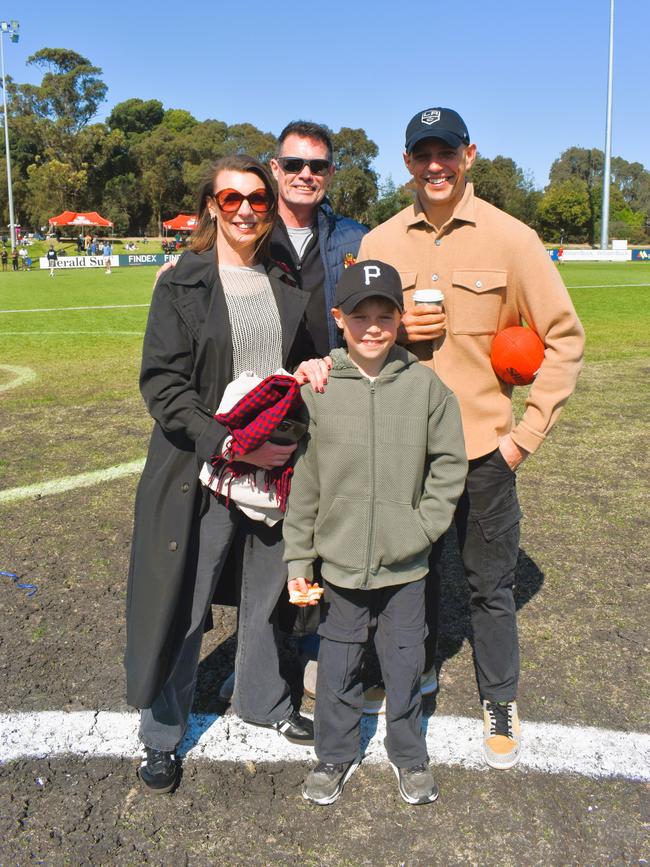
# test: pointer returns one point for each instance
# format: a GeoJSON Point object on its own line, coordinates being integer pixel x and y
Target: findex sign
{"type": "Point", "coordinates": [116, 261]}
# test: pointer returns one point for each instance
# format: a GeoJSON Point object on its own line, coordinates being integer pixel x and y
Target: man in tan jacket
{"type": "Point", "coordinates": [494, 273]}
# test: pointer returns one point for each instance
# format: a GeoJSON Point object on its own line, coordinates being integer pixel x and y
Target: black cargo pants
{"type": "Point", "coordinates": [396, 616]}
{"type": "Point", "coordinates": [487, 523]}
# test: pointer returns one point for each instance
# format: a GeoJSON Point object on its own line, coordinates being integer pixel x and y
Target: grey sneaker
{"type": "Point", "coordinates": [227, 688]}
{"type": "Point", "coordinates": [429, 681]}
{"type": "Point", "coordinates": [416, 784]}
{"type": "Point", "coordinates": [325, 783]}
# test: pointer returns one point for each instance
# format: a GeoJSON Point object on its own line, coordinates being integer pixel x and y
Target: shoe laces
{"type": "Point", "coordinates": [329, 769]}
{"type": "Point", "coordinates": [500, 714]}
{"type": "Point", "coordinates": [155, 757]}
{"type": "Point", "coordinates": [418, 769]}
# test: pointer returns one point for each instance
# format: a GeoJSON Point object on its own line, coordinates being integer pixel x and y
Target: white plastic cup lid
{"type": "Point", "coordinates": [428, 296]}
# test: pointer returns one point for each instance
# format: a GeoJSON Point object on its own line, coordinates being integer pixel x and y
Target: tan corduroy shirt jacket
{"type": "Point", "coordinates": [494, 272]}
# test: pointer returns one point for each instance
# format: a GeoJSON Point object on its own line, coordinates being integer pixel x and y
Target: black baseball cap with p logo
{"type": "Point", "coordinates": [367, 280]}
{"type": "Point", "coordinates": [443, 123]}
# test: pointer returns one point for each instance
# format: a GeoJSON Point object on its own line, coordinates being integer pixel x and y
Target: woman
{"type": "Point", "coordinates": [223, 309]}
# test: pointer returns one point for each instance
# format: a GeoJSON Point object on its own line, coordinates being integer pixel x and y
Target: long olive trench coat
{"type": "Point", "coordinates": [186, 365]}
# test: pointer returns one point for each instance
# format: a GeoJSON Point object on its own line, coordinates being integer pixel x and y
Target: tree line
{"type": "Point", "coordinates": [144, 164]}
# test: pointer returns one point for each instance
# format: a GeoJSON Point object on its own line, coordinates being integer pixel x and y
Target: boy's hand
{"type": "Point", "coordinates": [302, 593]}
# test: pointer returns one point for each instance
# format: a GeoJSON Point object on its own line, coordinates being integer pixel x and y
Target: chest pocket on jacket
{"type": "Point", "coordinates": [477, 299]}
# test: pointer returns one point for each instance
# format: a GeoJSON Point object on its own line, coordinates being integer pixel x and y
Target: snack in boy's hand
{"type": "Point", "coordinates": [297, 597]}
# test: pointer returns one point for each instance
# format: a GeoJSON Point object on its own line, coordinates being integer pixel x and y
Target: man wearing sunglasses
{"type": "Point", "coordinates": [493, 273]}
{"type": "Point", "coordinates": [310, 239]}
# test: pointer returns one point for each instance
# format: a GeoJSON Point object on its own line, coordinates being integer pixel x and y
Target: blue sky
{"type": "Point", "coordinates": [529, 77]}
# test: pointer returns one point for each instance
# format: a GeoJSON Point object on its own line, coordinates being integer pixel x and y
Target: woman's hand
{"type": "Point", "coordinates": [269, 456]}
{"type": "Point", "coordinates": [300, 585]}
{"type": "Point", "coordinates": [315, 371]}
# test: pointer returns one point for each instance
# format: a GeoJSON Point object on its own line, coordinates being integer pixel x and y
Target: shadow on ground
{"type": "Point", "coordinates": [455, 630]}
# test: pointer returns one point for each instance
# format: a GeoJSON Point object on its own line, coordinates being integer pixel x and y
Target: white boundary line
{"type": "Point", "coordinates": [95, 307]}
{"type": "Point", "coordinates": [21, 376]}
{"type": "Point", "coordinates": [129, 306]}
{"type": "Point", "coordinates": [69, 483]}
{"type": "Point", "coordinates": [66, 333]}
{"type": "Point", "coordinates": [548, 748]}
{"type": "Point", "coordinates": [601, 286]}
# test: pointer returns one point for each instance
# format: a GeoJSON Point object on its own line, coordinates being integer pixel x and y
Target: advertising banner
{"type": "Point", "coordinates": [78, 262]}
{"type": "Point", "coordinates": [97, 261]}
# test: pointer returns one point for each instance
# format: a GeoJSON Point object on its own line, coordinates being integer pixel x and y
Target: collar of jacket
{"type": "Point", "coordinates": [464, 212]}
{"type": "Point", "coordinates": [326, 216]}
{"type": "Point", "coordinates": [398, 359]}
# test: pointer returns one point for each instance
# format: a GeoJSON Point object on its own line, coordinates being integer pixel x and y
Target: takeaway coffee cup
{"type": "Point", "coordinates": [428, 296]}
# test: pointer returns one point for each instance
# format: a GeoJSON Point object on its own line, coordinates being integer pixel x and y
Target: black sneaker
{"type": "Point", "coordinates": [325, 783]}
{"type": "Point", "coordinates": [159, 771]}
{"type": "Point", "coordinates": [295, 728]}
{"type": "Point", "coordinates": [416, 784]}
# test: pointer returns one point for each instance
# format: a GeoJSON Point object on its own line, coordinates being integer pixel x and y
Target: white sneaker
{"type": "Point", "coordinates": [309, 676]}
{"type": "Point", "coordinates": [374, 698]}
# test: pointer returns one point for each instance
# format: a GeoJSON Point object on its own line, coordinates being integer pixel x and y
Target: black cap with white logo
{"type": "Point", "coordinates": [366, 280]}
{"type": "Point", "coordinates": [443, 123]}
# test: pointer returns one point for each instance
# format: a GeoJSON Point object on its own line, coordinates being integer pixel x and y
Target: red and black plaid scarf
{"type": "Point", "coordinates": [251, 421]}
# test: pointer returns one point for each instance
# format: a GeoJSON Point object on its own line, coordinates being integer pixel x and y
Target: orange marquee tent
{"type": "Point", "coordinates": [182, 223]}
{"type": "Point", "coordinates": [74, 218]}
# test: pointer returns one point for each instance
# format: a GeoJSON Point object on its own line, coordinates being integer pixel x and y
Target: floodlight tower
{"type": "Point", "coordinates": [607, 169]}
{"type": "Point", "coordinates": [10, 27]}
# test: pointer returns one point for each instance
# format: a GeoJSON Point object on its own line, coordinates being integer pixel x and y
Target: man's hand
{"type": "Point", "coordinates": [513, 455]}
{"type": "Point", "coordinates": [314, 371]}
{"type": "Point", "coordinates": [269, 455]}
{"type": "Point", "coordinates": [422, 322]}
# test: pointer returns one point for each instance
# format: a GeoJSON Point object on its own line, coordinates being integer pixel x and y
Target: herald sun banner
{"type": "Point", "coordinates": [98, 261]}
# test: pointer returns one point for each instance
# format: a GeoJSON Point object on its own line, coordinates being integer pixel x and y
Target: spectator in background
{"type": "Point", "coordinates": [23, 257]}
{"type": "Point", "coordinates": [14, 259]}
{"type": "Point", "coordinates": [52, 259]}
{"type": "Point", "coordinates": [5, 258]}
{"type": "Point", "coordinates": [107, 252]}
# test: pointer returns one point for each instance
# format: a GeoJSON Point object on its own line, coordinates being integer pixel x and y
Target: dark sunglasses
{"type": "Point", "coordinates": [230, 201]}
{"type": "Point", "coordinates": [294, 165]}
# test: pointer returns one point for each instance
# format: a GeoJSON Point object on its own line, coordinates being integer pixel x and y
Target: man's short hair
{"type": "Point", "coordinates": [307, 129]}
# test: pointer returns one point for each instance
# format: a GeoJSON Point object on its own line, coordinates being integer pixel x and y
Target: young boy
{"type": "Point", "coordinates": [375, 484]}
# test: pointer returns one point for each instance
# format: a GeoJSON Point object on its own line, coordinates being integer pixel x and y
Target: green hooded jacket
{"type": "Point", "coordinates": [377, 476]}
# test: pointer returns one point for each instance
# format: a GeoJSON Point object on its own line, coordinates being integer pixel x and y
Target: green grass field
{"type": "Point", "coordinates": [86, 360]}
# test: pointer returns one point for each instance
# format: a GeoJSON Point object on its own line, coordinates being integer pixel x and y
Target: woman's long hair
{"type": "Point", "coordinates": [204, 236]}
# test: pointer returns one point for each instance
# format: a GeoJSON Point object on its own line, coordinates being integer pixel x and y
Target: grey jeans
{"type": "Point", "coordinates": [261, 694]}
{"type": "Point", "coordinates": [396, 614]}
